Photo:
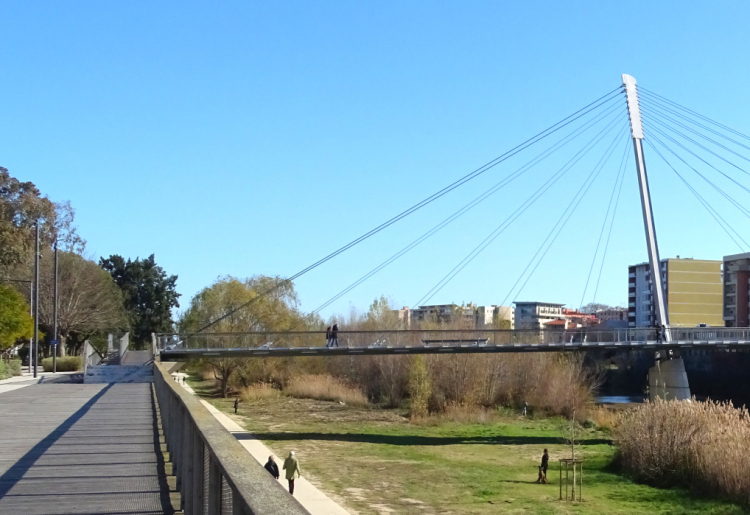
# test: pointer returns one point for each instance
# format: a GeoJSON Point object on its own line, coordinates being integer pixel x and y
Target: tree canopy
{"type": "Point", "coordinates": [89, 301]}
{"type": "Point", "coordinates": [593, 307]}
{"type": "Point", "coordinates": [148, 292]}
{"type": "Point", "coordinates": [272, 312]}
{"type": "Point", "coordinates": [21, 205]}
{"type": "Point", "coordinates": [15, 320]}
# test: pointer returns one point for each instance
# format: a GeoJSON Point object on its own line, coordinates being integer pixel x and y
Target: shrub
{"type": "Point", "coordinates": [259, 391]}
{"type": "Point", "coordinates": [10, 368]}
{"type": "Point", "coordinates": [420, 387]}
{"type": "Point", "coordinates": [14, 366]}
{"type": "Point", "coordinates": [699, 445]}
{"type": "Point", "coordinates": [326, 388]}
{"type": "Point", "coordinates": [64, 364]}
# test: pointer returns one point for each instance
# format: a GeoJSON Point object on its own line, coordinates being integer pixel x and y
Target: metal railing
{"type": "Point", "coordinates": [444, 337]}
{"type": "Point", "coordinates": [123, 343]}
{"type": "Point", "coordinates": [214, 473]}
{"type": "Point", "coordinates": [90, 356]}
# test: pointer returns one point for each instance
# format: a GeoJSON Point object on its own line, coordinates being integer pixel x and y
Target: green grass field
{"type": "Point", "coordinates": [374, 461]}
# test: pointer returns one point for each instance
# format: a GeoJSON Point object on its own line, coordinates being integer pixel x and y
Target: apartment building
{"type": "Point", "coordinates": [612, 315]}
{"type": "Point", "coordinates": [693, 293]}
{"type": "Point", "coordinates": [404, 316]}
{"type": "Point", "coordinates": [489, 317]}
{"type": "Point", "coordinates": [445, 313]}
{"type": "Point", "coordinates": [579, 319]}
{"type": "Point", "coordinates": [535, 315]}
{"type": "Point", "coordinates": [737, 290]}
{"type": "Point", "coordinates": [480, 317]}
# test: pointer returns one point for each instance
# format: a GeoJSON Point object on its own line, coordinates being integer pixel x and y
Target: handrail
{"type": "Point", "coordinates": [215, 474]}
{"type": "Point", "coordinates": [124, 343]}
{"type": "Point", "coordinates": [91, 356]}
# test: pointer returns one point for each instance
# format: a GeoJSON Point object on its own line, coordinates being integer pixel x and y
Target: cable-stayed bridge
{"type": "Point", "coordinates": [441, 341]}
{"type": "Point", "coordinates": [702, 153]}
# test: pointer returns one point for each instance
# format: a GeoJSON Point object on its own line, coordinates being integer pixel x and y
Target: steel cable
{"type": "Point", "coordinates": [507, 155]}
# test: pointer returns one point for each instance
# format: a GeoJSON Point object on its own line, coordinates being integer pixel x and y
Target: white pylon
{"type": "Point", "coordinates": [636, 130]}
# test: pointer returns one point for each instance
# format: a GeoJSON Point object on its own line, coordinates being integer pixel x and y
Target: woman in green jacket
{"type": "Point", "coordinates": [291, 465]}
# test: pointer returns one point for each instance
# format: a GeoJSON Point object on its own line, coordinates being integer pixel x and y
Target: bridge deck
{"type": "Point", "coordinates": [265, 352]}
{"type": "Point", "coordinates": [84, 449]}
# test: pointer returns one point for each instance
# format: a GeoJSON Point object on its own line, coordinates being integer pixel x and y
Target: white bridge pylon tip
{"type": "Point", "coordinates": [634, 108]}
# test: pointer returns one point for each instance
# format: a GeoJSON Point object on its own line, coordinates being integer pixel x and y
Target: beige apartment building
{"type": "Point", "coordinates": [694, 293]}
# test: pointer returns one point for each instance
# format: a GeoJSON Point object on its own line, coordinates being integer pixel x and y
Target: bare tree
{"type": "Point", "coordinates": [89, 300]}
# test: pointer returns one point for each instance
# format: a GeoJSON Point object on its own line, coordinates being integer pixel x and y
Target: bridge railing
{"type": "Point", "coordinates": [214, 473]}
{"type": "Point", "coordinates": [443, 337]}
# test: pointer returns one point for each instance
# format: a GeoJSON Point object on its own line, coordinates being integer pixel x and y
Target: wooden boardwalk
{"type": "Point", "coordinates": [80, 449]}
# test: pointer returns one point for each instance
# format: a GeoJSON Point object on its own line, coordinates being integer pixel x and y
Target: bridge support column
{"type": "Point", "coordinates": [668, 380]}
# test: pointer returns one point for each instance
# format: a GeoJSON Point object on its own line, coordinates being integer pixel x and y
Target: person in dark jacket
{"type": "Point", "coordinates": [272, 468]}
{"type": "Point", "coordinates": [543, 468]}
{"type": "Point", "coordinates": [335, 335]}
{"type": "Point", "coordinates": [328, 336]}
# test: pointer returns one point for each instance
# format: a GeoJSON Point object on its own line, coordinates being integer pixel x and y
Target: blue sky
{"type": "Point", "coordinates": [251, 138]}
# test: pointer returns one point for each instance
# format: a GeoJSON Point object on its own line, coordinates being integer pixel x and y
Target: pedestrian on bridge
{"type": "Point", "coordinates": [328, 336]}
{"type": "Point", "coordinates": [335, 336]}
{"type": "Point", "coordinates": [291, 465]}
{"type": "Point", "coordinates": [272, 468]}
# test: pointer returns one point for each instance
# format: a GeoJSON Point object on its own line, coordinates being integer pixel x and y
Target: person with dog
{"type": "Point", "coordinates": [543, 468]}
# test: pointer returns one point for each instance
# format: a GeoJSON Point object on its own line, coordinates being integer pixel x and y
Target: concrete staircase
{"type": "Point", "coordinates": [134, 367]}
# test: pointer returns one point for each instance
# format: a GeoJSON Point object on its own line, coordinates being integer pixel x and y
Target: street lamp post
{"type": "Point", "coordinates": [54, 317]}
{"type": "Point", "coordinates": [35, 350]}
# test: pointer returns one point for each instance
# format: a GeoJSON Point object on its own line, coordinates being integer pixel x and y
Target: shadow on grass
{"type": "Point", "coordinates": [416, 440]}
{"type": "Point", "coordinates": [202, 388]}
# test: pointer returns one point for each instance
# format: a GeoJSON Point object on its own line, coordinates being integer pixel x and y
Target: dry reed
{"type": "Point", "coordinates": [259, 391]}
{"type": "Point", "coordinates": [461, 414]}
{"type": "Point", "coordinates": [324, 387]}
{"type": "Point", "coordinates": [700, 445]}
{"type": "Point", "coordinates": [605, 418]}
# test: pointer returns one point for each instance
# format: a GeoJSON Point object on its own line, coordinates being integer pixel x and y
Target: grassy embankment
{"type": "Point", "coordinates": [374, 461]}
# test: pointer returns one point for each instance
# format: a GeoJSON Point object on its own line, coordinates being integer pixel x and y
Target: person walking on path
{"type": "Point", "coordinates": [272, 468]}
{"type": "Point", "coordinates": [543, 468]}
{"type": "Point", "coordinates": [328, 336]}
{"type": "Point", "coordinates": [291, 465]}
{"type": "Point", "coordinates": [335, 335]}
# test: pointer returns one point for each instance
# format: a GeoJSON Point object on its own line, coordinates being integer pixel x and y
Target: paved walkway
{"type": "Point", "coordinates": [79, 449]}
{"type": "Point", "coordinates": [314, 501]}
{"type": "Point", "coordinates": [27, 379]}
